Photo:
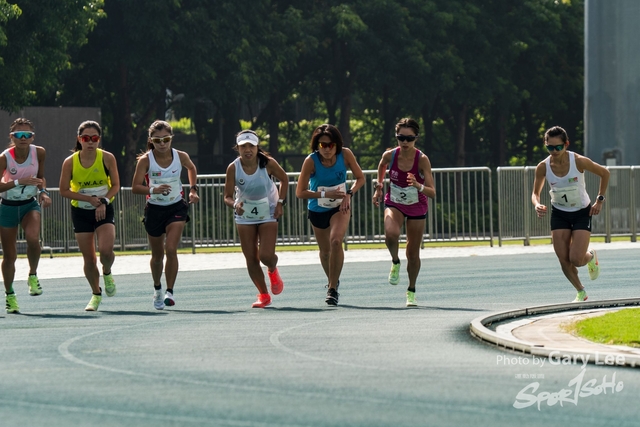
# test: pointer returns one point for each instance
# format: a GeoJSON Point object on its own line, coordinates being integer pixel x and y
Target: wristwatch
{"type": "Point", "coordinates": [283, 202]}
{"type": "Point", "coordinates": [600, 198]}
{"type": "Point", "coordinates": [350, 192]}
{"type": "Point", "coordinates": [104, 201]}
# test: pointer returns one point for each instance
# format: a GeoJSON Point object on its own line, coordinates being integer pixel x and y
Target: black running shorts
{"type": "Point", "coordinates": [578, 220]}
{"type": "Point", "coordinates": [157, 217]}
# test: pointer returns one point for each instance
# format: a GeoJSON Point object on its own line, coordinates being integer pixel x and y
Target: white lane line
{"type": "Point", "coordinates": [275, 340]}
{"type": "Point", "coordinates": [141, 415]}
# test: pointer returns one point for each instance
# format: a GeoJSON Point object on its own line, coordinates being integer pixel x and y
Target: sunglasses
{"type": "Point", "coordinates": [408, 138]}
{"type": "Point", "coordinates": [22, 134]}
{"type": "Point", "coordinates": [164, 139]}
{"type": "Point", "coordinates": [555, 147]}
{"type": "Point", "coordinates": [327, 144]}
{"type": "Point", "coordinates": [87, 138]}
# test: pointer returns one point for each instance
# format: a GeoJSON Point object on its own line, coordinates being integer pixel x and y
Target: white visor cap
{"type": "Point", "coordinates": [247, 137]}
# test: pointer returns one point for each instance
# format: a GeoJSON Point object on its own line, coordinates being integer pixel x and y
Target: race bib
{"type": "Point", "coordinates": [568, 197]}
{"type": "Point", "coordinates": [93, 191]}
{"type": "Point", "coordinates": [403, 195]}
{"type": "Point", "coordinates": [325, 202]}
{"type": "Point", "coordinates": [171, 196]}
{"type": "Point", "coordinates": [21, 192]}
{"type": "Point", "coordinates": [256, 209]}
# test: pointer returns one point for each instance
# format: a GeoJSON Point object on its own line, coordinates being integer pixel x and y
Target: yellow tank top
{"type": "Point", "coordinates": [93, 180]}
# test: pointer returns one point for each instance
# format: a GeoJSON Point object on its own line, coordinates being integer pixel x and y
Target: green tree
{"type": "Point", "coordinates": [37, 40]}
{"type": "Point", "coordinates": [136, 58]}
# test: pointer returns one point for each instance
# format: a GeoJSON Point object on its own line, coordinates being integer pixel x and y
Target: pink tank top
{"type": "Point", "coordinates": [15, 170]}
{"type": "Point", "coordinates": [399, 178]}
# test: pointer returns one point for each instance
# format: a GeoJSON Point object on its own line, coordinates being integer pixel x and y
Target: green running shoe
{"type": "Point", "coordinates": [94, 303]}
{"type": "Point", "coordinates": [411, 299]}
{"type": "Point", "coordinates": [582, 296]}
{"type": "Point", "coordinates": [394, 274]}
{"type": "Point", "coordinates": [593, 266]}
{"type": "Point", "coordinates": [109, 285]}
{"type": "Point", "coordinates": [12, 304]}
{"type": "Point", "coordinates": [34, 285]}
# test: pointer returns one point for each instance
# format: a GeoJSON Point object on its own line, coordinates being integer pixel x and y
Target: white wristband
{"type": "Point", "coordinates": [151, 190]}
{"type": "Point", "coordinates": [421, 187]}
{"type": "Point", "coordinates": [322, 194]}
{"type": "Point", "coordinates": [15, 182]}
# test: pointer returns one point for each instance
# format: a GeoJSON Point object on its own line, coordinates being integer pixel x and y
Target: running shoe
{"type": "Point", "coordinates": [12, 304]}
{"type": "Point", "coordinates": [332, 297]}
{"type": "Point", "coordinates": [582, 296]}
{"type": "Point", "coordinates": [169, 299]}
{"type": "Point", "coordinates": [109, 285]}
{"type": "Point", "coordinates": [593, 266]}
{"type": "Point", "coordinates": [276, 281]}
{"type": "Point", "coordinates": [394, 274]}
{"type": "Point", "coordinates": [158, 301]}
{"type": "Point", "coordinates": [94, 303]}
{"type": "Point", "coordinates": [34, 285]}
{"type": "Point", "coordinates": [411, 299]}
{"type": "Point", "coordinates": [262, 301]}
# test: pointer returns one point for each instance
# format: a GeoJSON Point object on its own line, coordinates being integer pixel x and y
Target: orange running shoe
{"type": "Point", "coordinates": [263, 301]}
{"type": "Point", "coordinates": [276, 281]}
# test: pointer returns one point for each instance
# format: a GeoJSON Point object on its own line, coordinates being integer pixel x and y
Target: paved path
{"type": "Point", "coordinates": [61, 267]}
{"type": "Point", "coordinates": [213, 361]}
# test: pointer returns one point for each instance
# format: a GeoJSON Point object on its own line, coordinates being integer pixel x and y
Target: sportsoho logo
{"type": "Point", "coordinates": [577, 388]}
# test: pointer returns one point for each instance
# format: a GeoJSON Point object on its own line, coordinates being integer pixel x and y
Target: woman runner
{"type": "Point", "coordinates": [158, 176]}
{"type": "Point", "coordinates": [90, 179]}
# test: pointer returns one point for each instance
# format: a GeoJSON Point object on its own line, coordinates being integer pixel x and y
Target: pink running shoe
{"type": "Point", "coordinates": [276, 282]}
{"type": "Point", "coordinates": [263, 301]}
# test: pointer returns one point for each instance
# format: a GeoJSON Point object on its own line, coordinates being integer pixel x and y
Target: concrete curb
{"type": "Point", "coordinates": [479, 328]}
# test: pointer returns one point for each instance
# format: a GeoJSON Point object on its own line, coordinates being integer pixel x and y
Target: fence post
{"type": "Point", "coordinates": [633, 223]}
{"type": "Point", "coordinates": [120, 231]}
{"type": "Point", "coordinates": [490, 208]}
{"type": "Point", "coordinates": [193, 229]}
{"type": "Point", "coordinates": [527, 221]}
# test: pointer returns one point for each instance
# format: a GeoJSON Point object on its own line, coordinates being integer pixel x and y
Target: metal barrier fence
{"type": "Point", "coordinates": [462, 211]}
{"type": "Point", "coordinates": [518, 221]}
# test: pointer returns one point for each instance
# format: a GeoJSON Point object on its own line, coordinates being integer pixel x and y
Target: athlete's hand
{"type": "Point", "coordinates": [595, 208]}
{"type": "Point", "coordinates": [165, 189]}
{"type": "Point", "coordinates": [101, 212]}
{"type": "Point", "coordinates": [377, 197]}
{"type": "Point", "coordinates": [541, 210]}
{"type": "Point", "coordinates": [411, 180]}
{"type": "Point", "coordinates": [45, 201]}
{"type": "Point", "coordinates": [30, 181]}
{"type": "Point", "coordinates": [345, 206]}
{"type": "Point", "coordinates": [193, 197]}
{"type": "Point", "coordinates": [95, 201]}
{"type": "Point", "coordinates": [334, 194]}
{"type": "Point", "coordinates": [277, 213]}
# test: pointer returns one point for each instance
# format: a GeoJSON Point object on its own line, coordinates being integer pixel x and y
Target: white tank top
{"type": "Point", "coordinates": [568, 193]}
{"type": "Point", "coordinates": [257, 192]}
{"type": "Point", "coordinates": [157, 175]}
{"type": "Point", "coordinates": [15, 170]}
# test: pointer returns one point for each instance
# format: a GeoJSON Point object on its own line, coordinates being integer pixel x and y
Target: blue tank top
{"type": "Point", "coordinates": [325, 177]}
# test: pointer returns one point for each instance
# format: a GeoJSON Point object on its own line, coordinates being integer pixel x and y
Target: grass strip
{"type": "Point", "coordinates": [616, 328]}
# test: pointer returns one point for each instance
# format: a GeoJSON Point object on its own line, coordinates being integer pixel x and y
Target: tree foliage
{"type": "Point", "coordinates": [37, 42]}
{"type": "Point", "coordinates": [485, 78]}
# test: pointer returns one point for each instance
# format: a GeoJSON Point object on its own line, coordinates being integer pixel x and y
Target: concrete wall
{"type": "Point", "coordinates": [612, 81]}
{"type": "Point", "coordinates": [55, 129]}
